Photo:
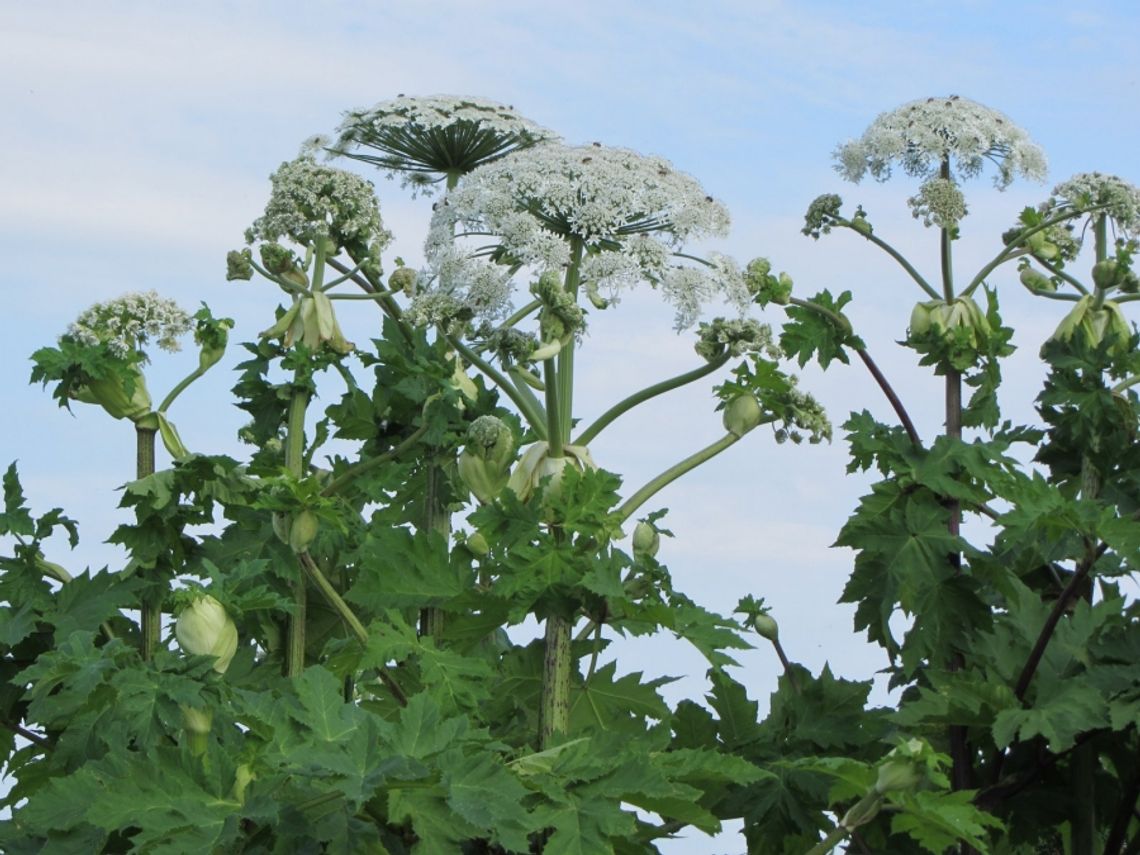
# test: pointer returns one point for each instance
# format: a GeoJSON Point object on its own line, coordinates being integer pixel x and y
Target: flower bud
{"type": "Point", "coordinates": [111, 394]}
{"type": "Point", "coordinates": [204, 629]}
{"type": "Point", "coordinates": [863, 811]}
{"type": "Point", "coordinates": [484, 465]}
{"type": "Point", "coordinates": [303, 530]}
{"type": "Point", "coordinates": [477, 544]}
{"type": "Point", "coordinates": [1105, 274]}
{"type": "Point", "coordinates": [902, 769]}
{"type": "Point", "coordinates": [1036, 281]}
{"type": "Point", "coordinates": [646, 541]}
{"type": "Point", "coordinates": [742, 414]}
{"type": "Point", "coordinates": [197, 721]}
{"type": "Point", "coordinates": [536, 464]}
{"type": "Point", "coordinates": [242, 777]}
{"type": "Point", "coordinates": [766, 626]}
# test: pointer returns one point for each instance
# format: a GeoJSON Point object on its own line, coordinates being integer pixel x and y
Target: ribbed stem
{"type": "Point", "coordinates": [438, 520]}
{"type": "Point", "coordinates": [152, 601]}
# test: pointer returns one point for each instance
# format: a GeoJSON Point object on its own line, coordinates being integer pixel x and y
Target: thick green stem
{"type": "Point", "coordinates": [294, 462]}
{"type": "Point", "coordinates": [553, 409]}
{"type": "Point", "coordinates": [624, 406]}
{"type": "Point", "coordinates": [180, 388]}
{"type": "Point", "coordinates": [672, 474]}
{"type": "Point", "coordinates": [152, 600]}
{"type": "Point", "coordinates": [554, 715]}
{"type": "Point", "coordinates": [897, 256]}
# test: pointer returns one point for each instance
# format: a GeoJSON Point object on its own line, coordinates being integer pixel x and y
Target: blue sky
{"type": "Point", "coordinates": [138, 138]}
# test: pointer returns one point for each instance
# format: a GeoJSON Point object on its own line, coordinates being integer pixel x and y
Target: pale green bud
{"type": "Point", "coordinates": [204, 629]}
{"type": "Point", "coordinates": [646, 541]}
{"type": "Point", "coordinates": [742, 414]}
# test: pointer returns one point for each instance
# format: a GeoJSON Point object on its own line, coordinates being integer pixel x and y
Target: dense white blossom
{"type": "Point", "coordinates": [1121, 199]}
{"type": "Point", "coordinates": [919, 135]}
{"type": "Point", "coordinates": [423, 138]}
{"type": "Point", "coordinates": [310, 202]}
{"type": "Point", "coordinates": [628, 213]}
{"type": "Point", "coordinates": [127, 323]}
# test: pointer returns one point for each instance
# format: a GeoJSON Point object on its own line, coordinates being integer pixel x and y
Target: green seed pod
{"type": "Point", "coordinates": [303, 530]}
{"type": "Point", "coordinates": [742, 414]}
{"type": "Point", "coordinates": [204, 629]}
{"type": "Point", "coordinates": [646, 541]}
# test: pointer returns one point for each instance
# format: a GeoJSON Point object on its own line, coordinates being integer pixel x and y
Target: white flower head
{"type": "Point", "coordinates": [423, 138]}
{"type": "Point", "coordinates": [628, 213]}
{"type": "Point", "coordinates": [128, 322]}
{"type": "Point", "coordinates": [920, 135]}
{"type": "Point", "coordinates": [310, 203]}
{"type": "Point", "coordinates": [1120, 199]}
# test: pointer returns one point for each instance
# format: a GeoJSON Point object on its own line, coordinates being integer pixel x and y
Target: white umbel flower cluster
{"type": "Point", "coordinates": [1089, 189]}
{"type": "Point", "coordinates": [127, 323]}
{"type": "Point", "coordinates": [628, 212]}
{"type": "Point", "coordinates": [310, 202]}
{"type": "Point", "coordinates": [423, 138]}
{"type": "Point", "coordinates": [919, 135]}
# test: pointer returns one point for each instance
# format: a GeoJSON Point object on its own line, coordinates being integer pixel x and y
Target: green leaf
{"type": "Point", "coordinates": [941, 820]}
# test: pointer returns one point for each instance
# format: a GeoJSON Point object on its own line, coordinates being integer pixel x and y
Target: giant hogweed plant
{"type": "Point", "coordinates": [344, 678]}
{"type": "Point", "coordinates": [340, 676]}
{"type": "Point", "coordinates": [1015, 658]}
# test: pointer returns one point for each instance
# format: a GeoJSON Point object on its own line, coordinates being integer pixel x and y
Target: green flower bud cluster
{"type": "Point", "coordinates": [735, 337]}
{"type": "Point", "coordinates": [822, 214]}
{"type": "Point", "coordinates": [561, 315]}
{"type": "Point", "coordinates": [536, 464]}
{"type": "Point", "coordinates": [763, 286]}
{"type": "Point", "coordinates": [1092, 325]}
{"type": "Point", "coordinates": [204, 629]}
{"type": "Point", "coordinates": [403, 279]}
{"type": "Point", "coordinates": [111, 393]}
{"type": "Point", "coordinates": [239, 265]}
{"type": "Point", "coordinates": [484, 465]}
{"type": "Point", "coordinates": [904, 768]}
{"type": "Point", "coordinates": [940, 202]}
